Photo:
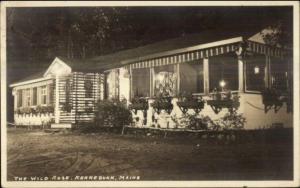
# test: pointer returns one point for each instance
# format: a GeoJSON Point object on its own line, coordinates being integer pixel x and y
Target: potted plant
{"type": "Point", "coordinates": [224, 99]}
{"type": "Point", "coordinates": [163, 103]}
{"type": "Point", "coordinates": [272, 98]}
{"type": "Point", "coordinates": [186, 102]}
{"type": "Point", "coordinates": [139, 103]}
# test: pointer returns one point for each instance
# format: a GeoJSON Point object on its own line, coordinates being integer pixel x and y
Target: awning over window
{"type": "Point", "coordinates": [185, 57]}
{"type": "Point", "coordinates": [204, 53]}
{"type": "Point", "coordinates": [264, 49]}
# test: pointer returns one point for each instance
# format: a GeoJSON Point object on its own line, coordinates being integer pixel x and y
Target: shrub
{"type": "Point", "coordinates": [195, 122]}
{"type": "Point", "coordinates": [112, 113]}
{"type": "Point", "coordinates": [232, 121]}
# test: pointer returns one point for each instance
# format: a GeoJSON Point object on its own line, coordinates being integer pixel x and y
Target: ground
{"type": "Point", "coordinates": [37, 153]}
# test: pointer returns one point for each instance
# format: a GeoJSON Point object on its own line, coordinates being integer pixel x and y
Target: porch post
{"type": "Point", "coordinates": [267, 72]}
{"type": "Point", "coordinates": [57, 112]}
{"type": "Point", "coordinates": [206, 76]}
{"type": "Point", "coordinates": [15, 94]}
{"type": "Point", "coordinates": [241, 75]}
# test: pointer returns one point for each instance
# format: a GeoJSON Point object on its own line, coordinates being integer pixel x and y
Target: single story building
{"type": "Point", "coordinates": [198, 64]}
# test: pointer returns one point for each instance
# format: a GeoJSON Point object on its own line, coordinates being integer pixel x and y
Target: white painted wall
{"type": "Point", "coordinates": [30, 119]}
{"type": "Point", "coordinates": [124, 83]}
{"type": "Point", "coordinates": [255, 116]}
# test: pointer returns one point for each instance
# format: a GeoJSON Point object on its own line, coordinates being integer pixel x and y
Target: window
{"type": "Point", "coordinates": [51, 94]}
{"type": "Point", "coordinates": [191, 77]}
{"type": "Point", "coordinates": [255, 72]}
{"type": "Point", "coordinates": [88, 86]}
{"type": "Point", "coordinates": [34, 96]}
{"type": "Point", "coordinates": [223, 72]}
{"type": "Point", "coordinates": [19, 97]}
{"type": "Point", "coordinates": [279, 74]}
{"type": "Point", "coordinates": [44, 95]}
{"type": "Point", "coordinates": [165, 80]}
{"type": "Point", "coordinates": [141, 82]}
{"type": "Point", "coordinates": [28, 99]}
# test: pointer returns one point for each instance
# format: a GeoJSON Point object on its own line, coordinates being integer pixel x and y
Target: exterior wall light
{"type": "Point", "coordinates": [256, 70]}
{"type": "Point", "coordinates": [222, 83]}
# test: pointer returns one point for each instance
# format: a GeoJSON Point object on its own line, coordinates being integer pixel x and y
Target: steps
{"type": "Point", "coordinates": [61, 125]}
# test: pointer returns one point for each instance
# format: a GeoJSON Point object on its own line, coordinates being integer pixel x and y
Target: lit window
{"type": "Point", "coordinates": [165, 81]}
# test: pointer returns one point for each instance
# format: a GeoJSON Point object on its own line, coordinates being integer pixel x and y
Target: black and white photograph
{"type": "Point", "coordinates": [182, 94]}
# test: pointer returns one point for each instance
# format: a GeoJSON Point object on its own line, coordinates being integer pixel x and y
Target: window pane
{"type": "Point", "coordinates": [255, 73]}
{"type": "Point", "coordinates": [165, 80]}
{"type": "Point", "coordinates": [279, 74]}
{"type": "Point", "coordinates": [141, 82]}
{"type": "Point", "coordinates": [44, 95]}
{"type": "Point", "coordinates": [19, 98]}
{"type": "Point", "coordinates": [223, 68]}
{"type": "Point", "coordinates": [34, 96]}
{"type": "Point", "coordinates": [191, 77]}
{"type": "Point", "coordinates": [28, 101]}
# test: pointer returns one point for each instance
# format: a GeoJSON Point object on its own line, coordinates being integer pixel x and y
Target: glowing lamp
{"type": "Point", "coordinates": [256, 70]}
{"type": "Point", "coordinates": [222, 83]}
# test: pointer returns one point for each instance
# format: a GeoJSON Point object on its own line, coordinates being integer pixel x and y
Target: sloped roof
{"type": "Point", "coordinates": [113, 60]}
{"type": "Point", "coordinates": [31, 77]}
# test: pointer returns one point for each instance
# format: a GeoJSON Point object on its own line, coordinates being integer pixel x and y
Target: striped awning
{"type": "Point", "coordinates": [264, 49]}
{"type": "Point", "coordinates": [205, 53]}
{"type": "Point", "coordinates": [185, 57]}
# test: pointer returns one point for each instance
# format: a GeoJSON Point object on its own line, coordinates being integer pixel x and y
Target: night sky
{"type": "Point", "coordinates": [35, 36]}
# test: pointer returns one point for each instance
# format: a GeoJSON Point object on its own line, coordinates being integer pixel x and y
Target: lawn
{"type": "Point", "coordinates": [37, 153]}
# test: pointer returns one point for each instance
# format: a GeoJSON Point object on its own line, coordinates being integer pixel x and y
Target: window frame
{"type": "Point", "coordinates": [43, 89]}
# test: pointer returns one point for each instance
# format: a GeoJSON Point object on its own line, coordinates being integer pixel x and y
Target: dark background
{"type": "Point", "coordinates": [35, 36]}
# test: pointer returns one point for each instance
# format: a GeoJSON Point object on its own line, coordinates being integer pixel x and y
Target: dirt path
{"type": "Point", "coordinates": [35, 153]}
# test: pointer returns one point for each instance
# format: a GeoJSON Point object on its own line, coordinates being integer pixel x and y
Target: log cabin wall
{"type": "Point", "coordinates": [79, 94]}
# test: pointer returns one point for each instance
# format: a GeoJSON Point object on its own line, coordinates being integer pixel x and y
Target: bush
{"type": "Point", "coordinates": [112, 113]}
{"type": "Point", "coordinates": [232, 121]}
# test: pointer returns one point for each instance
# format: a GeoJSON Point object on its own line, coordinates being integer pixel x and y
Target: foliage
{"type": "Point", "coordinates": [195, 122]}
{"type": "Point", "coordinates": [37, 110]}
{"type": "Point", "coordinates": [232, 121]}
{"type": "Point", "coordinates": [112, 113]}
{"type": "Point", "coordinates": [138, 103]}
{"type": "Point", "coordinates": [162, 103]}
{"type": "Point", "coordinates": [280, 34]}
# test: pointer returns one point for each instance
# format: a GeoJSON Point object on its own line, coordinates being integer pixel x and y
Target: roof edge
{"type": "Point", "coordinates": [182, 50]}
{"type": "Point", "coordinates": [29, 81]}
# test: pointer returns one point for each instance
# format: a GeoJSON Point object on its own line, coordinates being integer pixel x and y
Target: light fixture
{"type": "Point", "coordinates": [161, 76]}
{"type": "Point", "coordinates": [256, 70]}
{"type": "Point", "coordinates": [222, 83]}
